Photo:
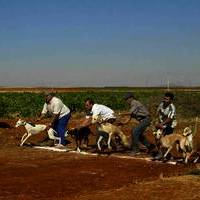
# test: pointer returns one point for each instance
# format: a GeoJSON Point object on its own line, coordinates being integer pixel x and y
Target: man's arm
{"type": "Point", "coordinates": [125, 114]}
{"type": "Point", "coordinates": [162, 124]}
{"type": "Point", "coordinates": [124, 121]}
{"type": "Point", "coordinates": [54, 119]}
{"type": "Point", "coordinates": [41, 116]}
{"type": "Point", "coordinates": [85, 123]}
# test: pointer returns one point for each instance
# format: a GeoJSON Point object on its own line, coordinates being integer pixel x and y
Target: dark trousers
{"type": "Point", "coordinates": [60, 127]}
{"type": "Point", "coordinates": [137, 134]}
{"type": "Point", "coordinates": [168, 130]}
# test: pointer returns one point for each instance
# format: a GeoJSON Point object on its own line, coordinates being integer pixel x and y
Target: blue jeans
{"type": "Point", "coordinates": [137, 134]}
{"type": "Point", "coordinates": [60, 127]}
{"type": "Point", "coordinates": [168, 130]}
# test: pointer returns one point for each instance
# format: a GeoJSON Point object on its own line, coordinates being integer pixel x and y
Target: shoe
{"type": "Point", "coordinates": [84, 146]}
{"type": "Point", "coordinates": [143, 147]}
{"type": "Point", "coordinates": [151, 147]}
{"type": "Point", "coordinates": [134, 153]}
{"type": "Point", "coordinates": [60, 146]}
{"type": "Point", "coordinates": [153, 154]}
{"type": "Point", "coordinates": [158, 157]}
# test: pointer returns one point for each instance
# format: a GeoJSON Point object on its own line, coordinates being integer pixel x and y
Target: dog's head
{"type": "Point", "coordinates": [157, 134]}
{"type": "Point", "coordinates": [20, 122]}
{"type": "Point", "coordinates": [97, 119]}
{"type": "Point", "coordinates": [187, 131]}
{"type": "Point", "coordinates": [72, 132]}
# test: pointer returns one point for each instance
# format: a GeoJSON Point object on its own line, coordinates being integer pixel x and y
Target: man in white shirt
{"type": "Point", "coordinates": [106, 113]}
{"type": "Point", "coordinates": [167, 114]}
{"type": "Point", "coordinates": [61, 115]}
{"type": "Point", "coordinates": [167, 117]}
{"type": "Point", "coordinates": [93, 109]}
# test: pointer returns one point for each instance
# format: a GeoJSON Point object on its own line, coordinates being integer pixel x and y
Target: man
{"type": "Point", "coordinates": [141, 114]}
{"type": "Point", "coordinates": [61, 115]}
{"type": "Point", "coordinates": [167, 114]}
{"type": "Point", "coordinates": [103, 111]}
{"type": "Point", "coordinates": [167, 118]}
{"type": "Point", "coordinates": [94, 109]}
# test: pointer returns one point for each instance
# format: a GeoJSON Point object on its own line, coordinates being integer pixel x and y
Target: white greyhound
{"type": "Point", "coordinates": [35, 129]}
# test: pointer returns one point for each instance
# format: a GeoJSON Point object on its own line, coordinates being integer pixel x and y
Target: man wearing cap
{"type": "Point", "coordinates": [61, 115]}
{"type": "Point", "coordinates": [141, 114]}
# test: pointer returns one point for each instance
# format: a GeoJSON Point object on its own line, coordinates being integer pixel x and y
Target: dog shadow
{"type": "Point", "coordinates": [4, 125]}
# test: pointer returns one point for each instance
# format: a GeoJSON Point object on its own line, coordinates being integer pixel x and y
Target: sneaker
{"type": "Point", "coordinates": [134, 153]}
{"type": "Point", "coordinates": [85, 146]}
{"type": "Point", "coordinates": [142, 147]}
{"type": "Point", "coordinates": [153, 154]}
{"type": "Point", "coordinates": [151, 147]}
{"type": "Point", "coordinates": [60, 146]}
{"type": "Point", "coordinates": [158, 157]}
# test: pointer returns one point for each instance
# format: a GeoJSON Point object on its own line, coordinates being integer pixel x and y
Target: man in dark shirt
{"type": "Point", "coordinates": [141, 114]}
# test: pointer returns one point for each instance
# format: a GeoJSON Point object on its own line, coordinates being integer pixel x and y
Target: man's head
{"type": "Point", "coordinates": [168, 98]}
{"type": "Point", "coordinates": [48, 96]}
{"type": "Point", "coordinates": [128, 97]}
{"type": "Point", "coordinates": [89, 104]}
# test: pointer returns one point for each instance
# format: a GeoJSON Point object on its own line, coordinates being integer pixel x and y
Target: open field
{"type": "Point", "coordinates": [29, 101]}
{"type": "Point", "coordinates": [28, 174]}
{"type": "Point", "coordinates": [100, 89]}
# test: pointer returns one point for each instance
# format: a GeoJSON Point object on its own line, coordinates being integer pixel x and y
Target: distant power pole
{"type": "Point", "coordinates": [168, 85]}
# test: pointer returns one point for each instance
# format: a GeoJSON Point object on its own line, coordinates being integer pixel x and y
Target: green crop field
{"type": "Point", "coordinates": [30, 103]}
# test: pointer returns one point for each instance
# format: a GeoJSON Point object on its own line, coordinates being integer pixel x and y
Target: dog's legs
{"type": "Point", "coordinates": [85, 142]}
{"type": "Point", "coordinates": [56, 138]}
{"type": "Point", "coordinates": [78, 150]}
{"type": "Point", "coordinates": [196, 159]}
{"type": "Point", "coordinates": [28, 135]}
{"type": "Point", "coordinates": [25, 134]}
{"type": "Point", "coordinates": [99, 142]}
{"type": "Point", "coordinates": [77, 145]}
{"type": "Point", "coordinates": [66, 133]}
{"type": "Point", "coordinates": [59, 140]}
{"type": "Point", "coordinates": [124, 139]}
{"type": "Point", "coordinates": [109, 140]}
{"type": "Point", "coordinates": [168, 150]}
{"type": "Point", "coordinates": [177, 147]}
{"type": "Point", "coordinates": [186, 157]}
{"type": "Point", "coordinates": [80, 142]}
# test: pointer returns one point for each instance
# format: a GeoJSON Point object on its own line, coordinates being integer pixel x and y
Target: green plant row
{"type": "Point", "coordinates": [30, 104]}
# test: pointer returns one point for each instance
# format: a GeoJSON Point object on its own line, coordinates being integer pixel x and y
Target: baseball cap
{"type": "Point", "coordinates": [128, 95]}
{"type": "Point", "coordinates": [46, 94]}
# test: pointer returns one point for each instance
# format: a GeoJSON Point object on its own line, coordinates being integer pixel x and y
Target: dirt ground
{"type": "Point", "coordinates": [27, 173]}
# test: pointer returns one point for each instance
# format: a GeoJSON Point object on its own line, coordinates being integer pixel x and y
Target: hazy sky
{"type": "Point", "coordinates": [99, 42]}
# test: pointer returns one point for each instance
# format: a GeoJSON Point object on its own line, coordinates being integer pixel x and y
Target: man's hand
{"type": "Point", "coordinates": [159, 126]}
{"type": "Point", "coordinates": [79, 127]}
{"type": "Point", "coordinates": [50, 125]}
{"type": "Point", "coordinates": [38, 119]}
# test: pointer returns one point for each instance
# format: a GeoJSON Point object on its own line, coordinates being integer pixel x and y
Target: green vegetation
{"type": "Point", "coordinates": [29, 104]}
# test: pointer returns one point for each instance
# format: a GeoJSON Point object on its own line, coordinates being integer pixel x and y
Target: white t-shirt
{"type": "Point", "coordinates": [168, 112]}
{"type": "Point", "coordinates": [104, 111]}
{"type": "Point", "coordinates": [56, 106]}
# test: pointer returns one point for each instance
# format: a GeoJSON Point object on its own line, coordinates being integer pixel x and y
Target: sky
{"type": "Point", "coordinates": [98, 43]}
